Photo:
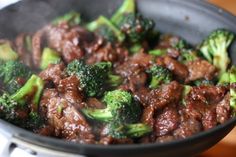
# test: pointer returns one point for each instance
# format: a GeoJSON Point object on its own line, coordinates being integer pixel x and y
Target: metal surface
{"type": "Point", "coordinates": [192, 20]}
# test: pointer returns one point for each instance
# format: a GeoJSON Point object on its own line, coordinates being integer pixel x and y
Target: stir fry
{"type": "Point", "coordinates": [116, 80]}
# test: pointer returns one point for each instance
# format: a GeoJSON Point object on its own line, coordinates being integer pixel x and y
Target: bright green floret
{"type": "Point", "coordinates": [187, 55]}
{"type": "Point", "coordinates": [121, 107]}
{"type": "Point", "coordinates": [94, 78]}
{"type": "Point", "coordinates": [72, 18]}
{"type": "Point", "coordinates": [49, 56]}
{"type": "Point", "coordinates": [158, 52]}
{"type": "Point", "coordinates": [137, 130]}
{"type": "Point", "coordinates": [214, 49]}
{"type": "Point", "coordinates": [105, 28]}
{"type": "Point", "coordinates": [11, 72]}
{"type": "Point", "coordinates": [28, 94]}
{"type": "Point", "coordinates": [127, 7]}
{"type": "Point", "coordinates": [7, 53]}
{"type": "Point", "coordinates": [136, 27]}
{"type": "Point", "coordinates": [159, 75]}
{"type": "Point", "coordinates": [228, 77]}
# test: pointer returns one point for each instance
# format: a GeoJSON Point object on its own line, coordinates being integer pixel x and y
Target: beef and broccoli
{"type": "Point", "coordinates": [116, 80]}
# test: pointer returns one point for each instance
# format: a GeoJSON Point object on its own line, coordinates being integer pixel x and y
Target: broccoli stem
{"type": "Point", "coordinates": [103, 115]}
{"type": "Point", "coordinates": [33, 87]}
{"type": "Point", "coordinates": [73, 18]}
{"type": "Point", "coordinates": [137, 130]}
{"type": "Point", "coordinates": [7, 53]}
{"type": "Point", "coordinates": [128, 6]}
{"type": "Point", "coordinates": [158, 52]}
{"type": "Point", "coordinates": [114, 80]}
{"type": "Point", "coordinates": [103, 21]}
{"type": "Point", "coordinates": [49, 56]}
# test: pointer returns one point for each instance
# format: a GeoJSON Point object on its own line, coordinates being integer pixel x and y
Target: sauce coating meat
{"type": "Point", "coordinates": [115, 81]}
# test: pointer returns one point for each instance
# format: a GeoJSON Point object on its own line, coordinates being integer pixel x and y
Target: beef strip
{"type": "Point", "coordinates": [179, 70]}
{"type": "Point", "coordinates": [166, 121]}
{"type": "Point", "coordinates": [187, 128]}
{"type": "Point", "coordinates": [200, 69]}
{"type": "Point", "coordinates": [24, 54]}
{"type": "Point", "coordinates": [166, 94]}
{"type": "Point", "coordinates": [223, 109]}
{"type": "Point", "coordinates": [53, 73]}
{"type": "Point", "coordinates": [67, 121]}
{"type": "Point", "coordinates": [70, 89]}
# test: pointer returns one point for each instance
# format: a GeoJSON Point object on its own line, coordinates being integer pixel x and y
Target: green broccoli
{"type": "Point", "coordinates": [93, 78]}
{"type": "Point", "coordinates": [214, 49]}
{"type": "Point", "coordinates": [187, 55]}
{"type": "Point", "coordinates": [105, 28]}
{"type": "Point", "coordinates": [135, 26]}
{"type": "Point", "coordinates": [228, 77]}
{"type": "Point", "coordinates": [158, 52]}
{"type": "Point", "coordinates": [7, 53]}
{"type": "Point", "coordinates": [28, 94]}
{"type": "Point", "coordinates": [203, 82]}
{"type": "Point", "coordinates": [49, 56]}
{"type": "Point", "coordinates": [72, 18]}
{"type": "Point", "coordinates": [121, 107]}
{"type": "Point", "coordinates": [12, 73]}
{"type": "Point", "coordinates": [119, 131]}
{"type": "Point", "coordinates": [159, 75]}
{"type": "Point", "coordinates": [34, 121]}
{"type": "Point", "coordinates": [32, 89]}
{"type": "Point", "coordinates": [180, 44]}
{"type": "Point", "coordinates": [127, 7]}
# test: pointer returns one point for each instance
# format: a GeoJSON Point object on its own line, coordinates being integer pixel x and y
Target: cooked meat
{"type": "Point", "coordinates": [53, 73]}
{"type": "Point", "coordinates": [66, 120]}
{"type": "Point", "coordinates": [187, 128]}
{"type": "Point", "coordinates": [200, 69]}
{"type": "Point", "coordinates": [178, 69]}
{"type": "Point", "coordinates": [167, 121]}
{"type": "Point", "coordinates": [166, 138]}
{"type": "Point", "coordinates": [223, 109]}
{"type": "Point", "coordinates": [167, 94]}
{"type": "Point", "coordinates": [69, 88]}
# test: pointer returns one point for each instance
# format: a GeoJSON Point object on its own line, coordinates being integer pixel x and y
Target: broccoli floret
{"type": "Point", "coordinates": [187, 55]}
{"type": "Point", "coordinates": [32, 89]}
{"type": "Point", "coordinates": [121, 107]}
{"type": "Point", "coordinates": [127, 7]}
{"type": "Point", "coordinates": [119, 131]}
{"type": "Point", "coordinates": [105, 28]}
{"type": "Point", "coordinates": [72, 18]}
{"type": "Point", "coordinates": [8, 109]}
{"type": "Point", "coordinates": [7, 53]}
{"type": "Point", "coordinates": [135, 26]}
{"type": "Point", "coordinates": [159, 75]}
{"type": "Point", "coordinates": [49, 56]}
{"type": "Point", "coordinates": [180, 44]}
{"type": "Point", "coordinates": [228, 77]}
{"type": "Point", "coordinates": [11, 74]}
{"type": "Point", "coordinates": [135, 48]}
{"type": "Point", "coordinates": [28, 94]}
{"type": "Point", "coordinates": [34, 121]}
{"type": "Point", "coordinates": [203, 82]}
{"type": "Point", "coordinates": [93, 78]}
{"type": "Point", "coordinates": [233, 100]}
{"type": "Point", "coordinates": [214, 48]}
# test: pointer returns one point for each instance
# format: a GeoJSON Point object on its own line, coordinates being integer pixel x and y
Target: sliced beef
{"type": "Point", "coordinates": [67, 121]}
{"type": "Point", "coordinates": [223, 109]}
{"type": "Point", "coordinates": [166, 138]}
{"type": "Point", "coordinates": [200, 69]}
{"type": "Point", "coordinates": [187, 128]}
{"type": "Point", "coordinates": [53, 73]}
{"type": "Point", "coordinates": [166, 94]}
{"type": "Point", "coordinates": [167, 121]}
{"type": "Point", "coordinates": [95, 103]}
{"type": "Point", "coordinates": [209, 119]}
{"type": "Point", "coordinates": [208, 94]}
{"type": "Point", "coordinates": [178, 69]}
{"type": "Point", "coordinates": [69, 42]}
{"type": "Point", "coordinates": [24, 53]}
{"type": "Point", "coordinates": [142, 95]}
{"type": "Point", "coordinates": [70, 89]}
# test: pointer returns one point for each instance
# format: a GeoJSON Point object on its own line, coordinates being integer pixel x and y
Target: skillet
{"type": "Point", "coordinates": [191, 19]}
